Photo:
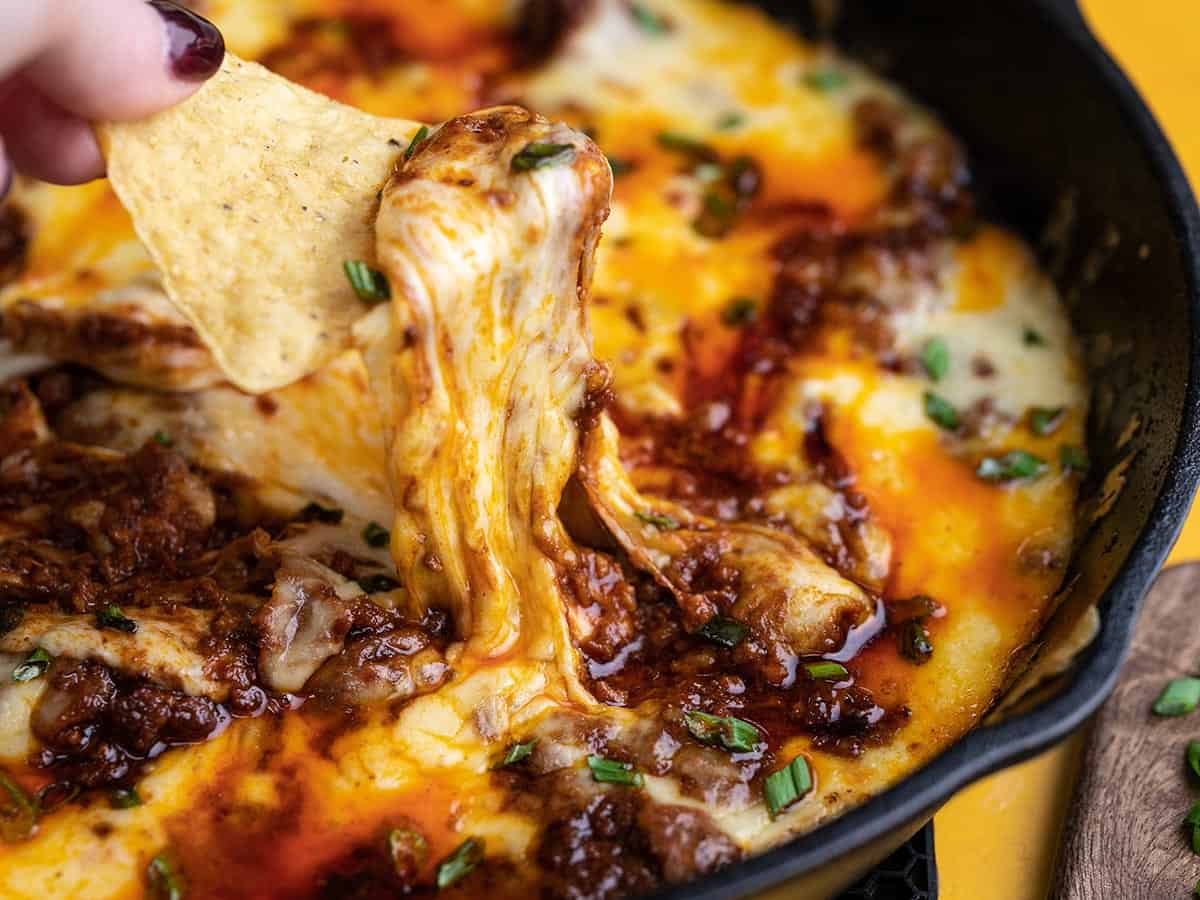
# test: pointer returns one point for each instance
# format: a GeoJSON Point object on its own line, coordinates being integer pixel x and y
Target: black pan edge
{"type": "Point", "coordinates": [986, 750]}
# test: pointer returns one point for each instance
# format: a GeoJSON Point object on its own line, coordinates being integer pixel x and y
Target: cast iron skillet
{"type": "Point", "coordinates": [1051, 124]}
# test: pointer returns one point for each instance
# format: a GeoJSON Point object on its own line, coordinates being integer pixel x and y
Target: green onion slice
{"type": "Point", "coordinates": [1031, 337]}
{"type": "Point", "coordinates": [658, 520]}
{"type": "Point", "coordinates": [35, 664]}
{"type": "Point", "coordinates": [459, 864]}
{"type": "Point", "coordinates": [689, 146]}
{"type": "Point", "coordinates": [935, 358]}
{"type": "Point", "coordinates": [18, 811]}
{"type": "Point", "coordinates": [789, 784]}
{"type": "Point", "coordinates": [1193, 757]}
{"type": "Point", "coordinates": [826, 670]}
{"type": "Point", "coordinates": [609, 771]}
{"type": "Point", "coordinates": [723, 631]}
{"type": "Point", "coordinates": [730, 121]}
{"type": "Point", "coordinates": [915, 644]}
{"type": "Point", "coordinates": [739, 311]}
{"type": "Point", "coordinates": [539, 156]}
{"type": "Point", "coordinates": [376, 535]}
{"type": "Point", "coordinates": [422, 133]}
{"type": "Point", "coordinates": [370, 284]}
{"type": "Point", "coordinates": [1073, 459]}
{"type": "Point", "coordinates": [161, 437]}
{"type": "Point", "coordinates": [112, 617]}
{"type": "Point", "coordinates": [165, 882]}
{"type": "Point", "coordinates": [825, 80]}
{"type": "Point", "coordinates": [733, 734]}
{"type": "Point", "coordinates": [517, 753]}
{"type": "Point", "coordinates": [1045, 420]}
{"type": "Point", "coordinates": [124, 798]}
{"type": "Point", "coordinates": [377, 584]}
{"type": "Point", "coordinates": [941, 411]}
{"type": "Point", "coordinates": [1011, 466]}
{"type": "Point", "coordinates": [1178, 698]}
{"type": "Point", "coordinates": [648, 20]}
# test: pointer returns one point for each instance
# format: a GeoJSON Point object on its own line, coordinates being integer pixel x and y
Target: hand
{"type": "Point", "coordinates": [64, 63]}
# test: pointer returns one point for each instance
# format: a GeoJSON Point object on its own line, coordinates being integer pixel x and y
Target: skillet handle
{"type": "Point", "coordinates": [1068, 13]}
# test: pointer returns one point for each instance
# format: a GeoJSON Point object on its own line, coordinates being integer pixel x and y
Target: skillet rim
{"type": "Point", "coordinates": [985, 750]}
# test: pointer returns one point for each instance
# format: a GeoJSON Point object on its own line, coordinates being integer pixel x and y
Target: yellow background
{"type": "Point", "coordinates": [997, 839]}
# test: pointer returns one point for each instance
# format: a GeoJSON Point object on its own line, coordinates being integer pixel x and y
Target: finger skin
{"type": "Point", "coordinates": [44, 141]}
{"type": "Point", "coordinates": [110, 59]}
{"type": "Point", "coordinates": [65, 62]}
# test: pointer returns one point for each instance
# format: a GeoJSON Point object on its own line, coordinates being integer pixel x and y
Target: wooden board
{"type": "Point", "coordinates": [1124, 838]}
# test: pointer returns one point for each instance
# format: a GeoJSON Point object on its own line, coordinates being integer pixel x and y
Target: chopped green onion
{"type": "Point", "coordinates": [609, 771]}
{"type": "Point", "coordinates": [730, 121]}
{"type": "Point", "coordinates": [36, 663]}
{"type": "Point", "coordinates": [723, 631]}
{"type": "Point", "coordinates": [112, 617]}
{"type": "Point", "coordinates": [538, 156]}
{"type": "Point", "coordinates": [1032, 338]}
{"type": "Point", "coordinates": [733, 734]}
{"type": "Point", "coordinates": [517, 753]}
{"type": "Point", "coordinates": [789, 784]}
{"type": "Point", "coordinates": [459, 864]}
{"type": "Point", "coordinates": [377, 584]}
{"type": "Point", "coordinates": [716, 217]}
{"type": "Point", "coordinates": [658, 520]}
{"type": "Point", "coordinates": [316, 512]}
{"type": "Point", "coordinates": [940, 411]}
{"type": "Point", "coordinates": [370, 284]}
{"type": "Point", "coordinates": [1178, 698]}
{"type": "Point", "coordinates": [826, 670]}
{"type": "Point", "coordinates": [1193, 757]}
{"type": "Point", "coordinates": [826, 79]}
{"type": "Point", "coordinates": [422, 133]}
{"type": "Point", "coordinates": [708, 172]}
{"type": "Point", "coordinates": [1011, 466]}
{"type": "Point", "coordinates": [376, 535]}
{"type": "Point", "coordinates": [740, 311]}
{"type": "Point", "coordinates": [1193, 819]}
{"type": "Point", "coordinates": [164, 880]}
{"type": "Point", "coordinates": [407, 849]}
{"type": "Point", "coordinates": [935, 358]}
{"type": "Point", "coordinates": [620, 166]}
{"type": "Point", "coordinates": [161, 437]}
{"type": "Point", "coordinates": [1045, 420]}
{"type": "Point", "coordinates": [124, 798]}
{"type": "Point", "coordinates": [648, 20]}
{"type": "Point", "coordinates": [915, 645]}
{"type": "Point", "coordinates": [681, 143]}
{"type": "Point", "coordinates": [1073, 459]}
{"type": "Point", "coordinates": [18, 811]}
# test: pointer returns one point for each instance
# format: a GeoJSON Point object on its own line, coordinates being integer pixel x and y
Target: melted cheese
{"type": "Point", "coordinates": [934, 527]}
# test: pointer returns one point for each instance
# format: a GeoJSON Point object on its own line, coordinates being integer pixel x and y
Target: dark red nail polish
{"type": "Point", "coordinates": [195, 47]}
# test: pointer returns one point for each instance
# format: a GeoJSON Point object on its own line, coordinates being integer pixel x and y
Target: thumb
{"type": "Point", "coordinates": [123, 59]}
{"type": "Point", "coordinates": [64, 62]}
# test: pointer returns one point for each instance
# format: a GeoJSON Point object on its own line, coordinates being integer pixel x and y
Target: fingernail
{"type": "Point", "coordinates": [195, 47]}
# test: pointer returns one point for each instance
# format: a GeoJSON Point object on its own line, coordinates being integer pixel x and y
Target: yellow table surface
{"type": "Point", "coordinates": [997, 840]}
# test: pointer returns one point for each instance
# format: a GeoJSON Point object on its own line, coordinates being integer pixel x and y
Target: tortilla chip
{"type": "Point", "coordinates": [249, 196]}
